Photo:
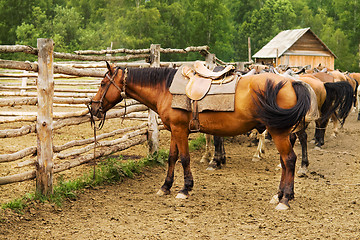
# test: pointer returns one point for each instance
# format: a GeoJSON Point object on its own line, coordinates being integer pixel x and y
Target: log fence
{"type": "Point", "coordinates": [48, 85]}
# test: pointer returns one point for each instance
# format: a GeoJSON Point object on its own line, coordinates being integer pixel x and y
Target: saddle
{"type": "Point", "coordinates": [200, 80]}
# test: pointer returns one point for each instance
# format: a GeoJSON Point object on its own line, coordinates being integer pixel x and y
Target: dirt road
{"type": "Point", "coordinates": [231, 203]}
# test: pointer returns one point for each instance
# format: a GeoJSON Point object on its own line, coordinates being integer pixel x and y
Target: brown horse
{"type": "Point", "coordinates": [266, 99]}
{"type": "Point", "coordinates": [333, 99]}
{"type": "Point", "coordinates": [331, 77]}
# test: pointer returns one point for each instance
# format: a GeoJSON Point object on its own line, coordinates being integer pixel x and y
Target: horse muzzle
{"type": "Point", "coordinates": [96, 109]}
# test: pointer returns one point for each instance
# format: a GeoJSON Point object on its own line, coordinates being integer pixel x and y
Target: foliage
{"type": "Point", "coordinates": [197, 143]}
{"type": "Point", "coordinates": [224, 26]}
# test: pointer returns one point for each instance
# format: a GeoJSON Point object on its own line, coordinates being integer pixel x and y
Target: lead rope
{"type": "Point", "coordinates": [94, 127]}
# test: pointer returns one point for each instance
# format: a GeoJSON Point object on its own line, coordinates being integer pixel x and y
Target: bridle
{"type": "Point", "coordinates": [101, 101]}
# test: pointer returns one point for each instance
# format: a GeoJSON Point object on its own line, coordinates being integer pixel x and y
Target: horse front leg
{"type": "Point", "coordinates": [288, 161]}
{"type": "Point", "coordinates": [304, 154]}
{"type": "Point", "coordinates": [169, 180]}
{"type": "Point", "coordinates": [320, 133]}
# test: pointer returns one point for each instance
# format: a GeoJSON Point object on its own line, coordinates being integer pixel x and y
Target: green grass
{"type": "Point", "coordinates": [109, 171]}
{"type": "Point", "coordinates": [198, 143]}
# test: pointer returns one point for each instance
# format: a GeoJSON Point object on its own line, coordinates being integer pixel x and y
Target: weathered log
{"type": "Point", "coordinates": [102, 144]}
{"type": "Point", "coordinates": [101, 152]}
{"type": "Point", "coordinates": [31, 75]}
{"type": "Point", "coordinates": [72, 100]}
{"type": "Point", "coordinates": [79, 72]}
{"type": "Point", "coordinates": [17, 155]}
{"type": "Point", "coordinates": [17, 132]}
{"type": "Point", "coordinates": [18, 101]}
{"type": "Point", "coordinates": [113, 114]}
{"type": "Point", "coordinates": [114, 51]}
{"type": "Point", "coordinates": [76, 143]}
{"type": "Point", "coordinates": [18, 177]}
{"type": "Point", "coordinates": [26, 163]}
{"type": "Point", "coordinates": [18, 48]}
{"type": "Point", "coordinates": [70, 56]}
{"type": "Point", "coordinates": [56, 89]}
{"type": "Point", "coordinates": [57, 94]}
{"type": "Point", "coordinates": [57, 68]}
{"type": "Point", "coordinates": [28, 66]}
{"type": "Point", "coordinates": [18, 119]}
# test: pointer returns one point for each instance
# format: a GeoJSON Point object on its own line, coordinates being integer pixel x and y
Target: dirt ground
{"type": "Point", "coordinates": [231, 203]}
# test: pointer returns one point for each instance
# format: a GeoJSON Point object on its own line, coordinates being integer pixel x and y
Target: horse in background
{"type": "Point", "coordinates": [260, 100]}
{"type": "Point", "coordinates": [356, 77]}
{"type": "Point", "coordinates": [332, 99]}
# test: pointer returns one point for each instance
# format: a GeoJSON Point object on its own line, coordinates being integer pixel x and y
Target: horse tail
{"type": "Point", "coordinates": [339, 100]}
{"type": "Point", "coordinates": [272, 115]}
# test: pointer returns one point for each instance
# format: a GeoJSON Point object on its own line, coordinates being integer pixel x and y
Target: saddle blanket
{"type": "Point", "coordinates": [221, 97]}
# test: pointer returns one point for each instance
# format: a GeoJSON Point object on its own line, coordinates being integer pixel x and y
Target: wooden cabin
{"type": "Point", "coordinates": [294, 48]}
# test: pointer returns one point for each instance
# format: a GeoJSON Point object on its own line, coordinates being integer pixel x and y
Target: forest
{"type": "Point", "coordinates": [223, 25]}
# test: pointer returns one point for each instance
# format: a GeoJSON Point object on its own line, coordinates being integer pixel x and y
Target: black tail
{"type": "Point", "coordinates": [274, 116]}
{"type": "Point", "coordinates": [339, 100]}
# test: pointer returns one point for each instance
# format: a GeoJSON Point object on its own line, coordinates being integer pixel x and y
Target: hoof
{"type": "Point", "coordinates": [210, 169]}
{"type": "Point", "coordinates": [182, 196]}
{"type": "Point", "coordinates": [255, 159]}
{"type": "Point", "coordinates": [282, 206]}
{"type": "Point", "coordinates": [302, 171]}
{"type": "Point", "coordinates": [274, 199]}
{"type": "Point", "coordinates": [162, 193]}
{"type": "Point", "coordinates": [205, 159]}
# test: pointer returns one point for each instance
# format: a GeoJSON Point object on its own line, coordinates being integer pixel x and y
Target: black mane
{"type": "Point", "coordinates": [151, 76]}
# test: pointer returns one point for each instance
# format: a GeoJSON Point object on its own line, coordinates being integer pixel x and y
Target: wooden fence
{"type": "Point", "coordinates": [45, 85]}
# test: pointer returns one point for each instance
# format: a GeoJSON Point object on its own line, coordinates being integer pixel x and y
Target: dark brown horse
{"type": "Point", "coordinates": [266, 99]}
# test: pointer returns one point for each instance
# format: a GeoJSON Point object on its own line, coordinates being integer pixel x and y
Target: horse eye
{"type": "Point", "coordinates": [102, 84]}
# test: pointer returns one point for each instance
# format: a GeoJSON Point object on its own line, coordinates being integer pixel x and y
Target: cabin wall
{"type": "Point", "coordinates": [313, 61]}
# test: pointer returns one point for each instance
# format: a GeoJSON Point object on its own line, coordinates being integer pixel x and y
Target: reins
{"type": "Point", "coordinates": [102, 121]}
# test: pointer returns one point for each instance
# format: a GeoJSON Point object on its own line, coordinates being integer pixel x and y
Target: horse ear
{"type": "Point", "coordinates": [109, 67]}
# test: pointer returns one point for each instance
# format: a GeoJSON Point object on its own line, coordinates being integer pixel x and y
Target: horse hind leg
{"type": "Point", "coordinates": [219, 155]}
{"type": "Point", "coordinates": [288, 161]}
{"type": "Point", "coordinates": [302, 135]}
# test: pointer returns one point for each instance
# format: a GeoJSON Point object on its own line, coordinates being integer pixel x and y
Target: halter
{"type": "Point", "coordinates": [111, 81]}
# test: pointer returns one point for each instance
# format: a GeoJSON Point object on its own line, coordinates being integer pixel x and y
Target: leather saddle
{"type": "Point", "coordinates": [200, 80]}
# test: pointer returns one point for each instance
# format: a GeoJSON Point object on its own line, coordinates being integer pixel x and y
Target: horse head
{"type": "Point", "coordinates": [109, 93]}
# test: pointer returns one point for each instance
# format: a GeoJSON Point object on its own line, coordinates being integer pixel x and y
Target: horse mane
{"type": "Point", "coordinates": [151, 76]}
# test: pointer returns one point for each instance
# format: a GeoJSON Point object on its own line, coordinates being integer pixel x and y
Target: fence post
{"type": "Point", "coordinates": [44, 124]}
{"type": "Point", "coordinates": [153, 128]}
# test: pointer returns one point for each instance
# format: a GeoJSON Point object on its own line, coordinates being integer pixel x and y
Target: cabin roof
{"type": "Point", "coordinates": [283, 41]}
